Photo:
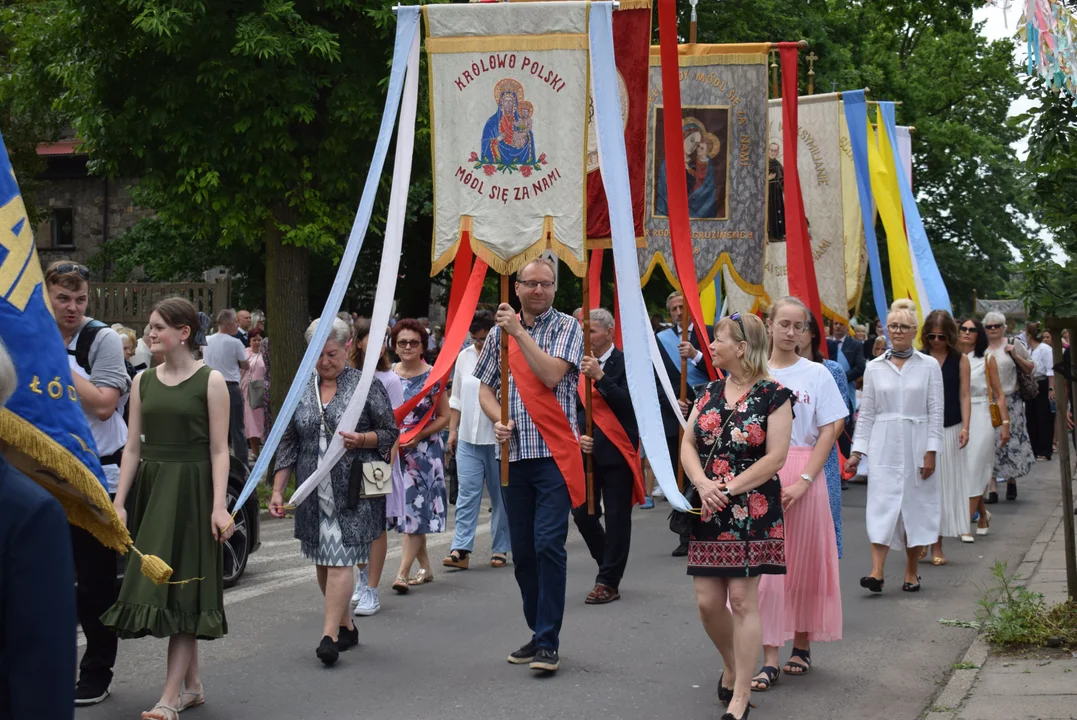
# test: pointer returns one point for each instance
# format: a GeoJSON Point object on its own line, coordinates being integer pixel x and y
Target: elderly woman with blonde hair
{"type": "Point", "coordinates": [1014, 459]}
{"type": "Point", "coordinates": [899, 430]}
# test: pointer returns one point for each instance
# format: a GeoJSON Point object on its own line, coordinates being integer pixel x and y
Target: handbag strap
{"type": "Point", "coordinates": [725, 422]}
{"type": "Point", "coordinates": [987, 373]}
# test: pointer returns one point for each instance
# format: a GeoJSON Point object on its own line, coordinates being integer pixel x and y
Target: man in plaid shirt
{"type": "Point", "coordinates": [537, 498]}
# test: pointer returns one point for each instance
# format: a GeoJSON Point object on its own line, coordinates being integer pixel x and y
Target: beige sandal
{"type": "Point", "coordinates": [161, 711]}
{"type": "Point", "coordinates": [191, 698]}
{"type": "Point", "coordinates": [422, 577]}
{"type": "Point", "coordinates": [400, 585]}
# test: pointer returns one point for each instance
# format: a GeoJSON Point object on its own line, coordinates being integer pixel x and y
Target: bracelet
{"type": "Point", "coordinates": [1005, 422]}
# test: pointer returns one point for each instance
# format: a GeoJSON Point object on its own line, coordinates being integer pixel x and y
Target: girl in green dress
{"type": "Point", "coordinates": [176, 462]}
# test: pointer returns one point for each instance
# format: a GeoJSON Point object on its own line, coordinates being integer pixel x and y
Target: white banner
{"type": "Point", "coordinates": [819, 159]}
{"type": "Point", "coordinates": [509, 130]}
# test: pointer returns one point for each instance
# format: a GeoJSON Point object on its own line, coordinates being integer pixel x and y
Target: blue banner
{"type": "Point", "coordinates": [43, 422]}
{"type": "Point", "coordinates": [856, 115]}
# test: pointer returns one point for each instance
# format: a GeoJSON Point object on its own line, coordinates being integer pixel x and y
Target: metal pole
{"type": "Point", "coordinates": [692, 25]}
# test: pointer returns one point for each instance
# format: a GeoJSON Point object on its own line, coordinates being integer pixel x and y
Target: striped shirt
{"type": "Point", "coordinates": [559, 336]}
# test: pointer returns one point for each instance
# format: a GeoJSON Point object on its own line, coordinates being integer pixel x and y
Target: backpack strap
{"type": "Point", "coordinates": [85, 342]}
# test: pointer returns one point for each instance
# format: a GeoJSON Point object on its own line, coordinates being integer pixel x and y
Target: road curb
{"type": "Point", "coordinates": [947, 704]}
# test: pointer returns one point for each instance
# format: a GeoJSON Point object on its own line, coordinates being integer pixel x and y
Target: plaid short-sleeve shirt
{"type": "Point", "coordinates": [559, 336]}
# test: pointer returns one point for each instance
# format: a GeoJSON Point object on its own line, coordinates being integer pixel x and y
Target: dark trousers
{"type": "Point", "coordinates": [609, 546]}
{"type": "Point", "coordinates": [538, 505]}
{"type": "Point", "coordinates": [236, 433]}
{"type": "Point", "coordinates": [674, 445]}
{"type": "Point", "coordinates": [95, 572]}
{"type": "Point", "coordinates": [1041, 422]}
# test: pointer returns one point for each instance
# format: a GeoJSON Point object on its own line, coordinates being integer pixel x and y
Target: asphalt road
{"type": "Point", "coordinates": [439, 652]}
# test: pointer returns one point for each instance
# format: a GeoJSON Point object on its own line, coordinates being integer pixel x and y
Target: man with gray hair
{"type": "Point", "coordinates": [225, 353]}
{"type": "Point", "coordinates": [614, 446]}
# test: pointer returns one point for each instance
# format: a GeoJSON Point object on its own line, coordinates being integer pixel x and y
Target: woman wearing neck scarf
{"type": "Point", "coordinates": [900, 431]}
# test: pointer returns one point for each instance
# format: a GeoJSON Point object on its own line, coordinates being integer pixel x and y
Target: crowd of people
{"type": "Point", "coordinates": [934, 422]}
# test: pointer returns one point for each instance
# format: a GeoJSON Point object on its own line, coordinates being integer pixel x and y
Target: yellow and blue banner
{"type": "Point", "coordinates": [43, 431]}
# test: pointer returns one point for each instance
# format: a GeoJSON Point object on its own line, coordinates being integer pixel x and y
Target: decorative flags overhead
{"type": "Point", "coordinates": [632, 46]}
{"type": "Point", "coordinates": [1051, 37]}
{"type": "Point", "coordinates": [819, 162]}
{"type": "Point", "coordinates": [509, 115]}
{"type": "Point", "coordinates": [42, 427]}
{"type": "Point", "coordinates": [724, 125]}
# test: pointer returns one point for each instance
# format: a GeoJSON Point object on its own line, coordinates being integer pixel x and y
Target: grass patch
{"type": "Point", "coordinates": [1013, 615]}
{"type": "Point", "coordinates": [965, 666]}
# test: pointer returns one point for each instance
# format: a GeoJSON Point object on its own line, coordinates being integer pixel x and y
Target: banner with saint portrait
{"type": "Point", "coordinates": [509, 114]}
{"type": "Point", "coordinates": [724, 125]}
{"type": "Point", "coordinates": [819, 162]}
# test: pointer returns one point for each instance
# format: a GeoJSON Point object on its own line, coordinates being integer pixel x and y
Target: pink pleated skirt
{"type": "Point", "coordinates": [808, 597]}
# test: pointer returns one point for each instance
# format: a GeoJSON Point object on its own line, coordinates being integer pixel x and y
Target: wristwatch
{"type": "Point", "coordinates": [807, 478]}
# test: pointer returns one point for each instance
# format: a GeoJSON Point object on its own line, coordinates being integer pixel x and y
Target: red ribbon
{"type": "Point", "coordinates": [594, 279]}
{"type": "Point", "coordinates": [550, 419]}
{"type": "Point", "coordinates": [799, 258]}
{"type": "Point", "coordinates": [454, 338]}
{"type": "Point", "coordinates": [680, 228]}
{"type": "Point", "coordinates": [603, 416]}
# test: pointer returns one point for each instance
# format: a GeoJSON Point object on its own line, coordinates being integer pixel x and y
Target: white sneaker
{"type": "Point", "coordinates": [360, 587]}
{"type": "Point", "coordinates": [368, 604]}
{"type": "Point", "coordinates": [657, 493]}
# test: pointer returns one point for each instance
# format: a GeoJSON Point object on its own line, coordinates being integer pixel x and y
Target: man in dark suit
{"type": "Point", "coordinates": [613, 476]}
{"type": "Point", "coordinates": [848, 352]}
{"type": "Point", "coordinates": [673, 349]}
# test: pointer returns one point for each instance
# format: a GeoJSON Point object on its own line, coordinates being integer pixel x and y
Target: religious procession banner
{"type": "Point", "coordinates": [509, 113]}
{"type": "Point", "coordinates": [724, 124]}
{"type": "Point", "coordinates": [856, 256]}
{"type": "Point", "coordinates": [819, 162]}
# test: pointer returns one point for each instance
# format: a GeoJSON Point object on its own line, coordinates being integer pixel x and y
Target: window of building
{"type": "Point", "coordinates": [63, 228]}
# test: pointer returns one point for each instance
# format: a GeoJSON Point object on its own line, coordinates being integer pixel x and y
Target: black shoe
{"type": "Point", "coordinates": [725, 695]}
{"type": "Point", "coordinates": [681, 550]}
{"type": "Point", "coordinates": [524, 655]}
{"type": "Point", "coordinates": [545, 660]}
{"type": "Point", "coordinates": [328, 651]}
{"type": "Point", "coordinates": [347, 639]}
{"type": "Point", "coordinates": [911, 587]}
{"type": "Point", "coordinates": [871, 583]}
{"type": "Point", "coordinates": [89, 694]}
{"type": "Point", "coordinates": [1011, 491]}
{"type": "Point", "coordinates": [844, 484]}
{"type": "Point", "coordinates": [992, 498]}
{"type": "Point", "coordinates": [731, 716]}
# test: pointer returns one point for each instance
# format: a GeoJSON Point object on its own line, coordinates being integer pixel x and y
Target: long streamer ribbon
{"type": "Point", "coordinates": [636, 327]}
{"type": "Point", "coordinates": [856, 117]}
{"type": "Point", "coordinates": [930, 279]}
{"type": "Point", "coordinates": [680, 227]}
{"type": "Point", "coordinates": [387, 273]}
{"type": "Point", "coordinates": [407, 32]}
{"type": "Point", "coordinates": [594, 278]}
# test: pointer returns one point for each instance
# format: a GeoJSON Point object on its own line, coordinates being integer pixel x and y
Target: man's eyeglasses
{"type": "Point", "coordinates": [968, 330]}
{"type": "Point", "coordinates": [532, 284]}
{"type": "Point", "coordinates": [735, 317]}
{"type": "Point", "coordinates": [899, 328]}
{"type": "Point", "coordinates": [936, 336]}
{"type": "Point", "coordinates": [66, 268]}
{"type": "Point", "coordinates": [992, 327]}
{"type": "Point", "coordinates": [408, 343]}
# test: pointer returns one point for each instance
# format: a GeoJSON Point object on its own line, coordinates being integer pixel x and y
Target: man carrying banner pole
{"type": "Point", "coordinates": [546, 478]}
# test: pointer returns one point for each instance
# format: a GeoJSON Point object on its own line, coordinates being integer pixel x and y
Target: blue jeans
{"type": "Point", "coordinates": [473, 463]}
{"type": "Point", "coordinates": [538, 508]}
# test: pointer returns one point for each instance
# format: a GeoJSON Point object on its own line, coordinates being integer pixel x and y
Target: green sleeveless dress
{"type": "Point", "coordinates": [170, 518]}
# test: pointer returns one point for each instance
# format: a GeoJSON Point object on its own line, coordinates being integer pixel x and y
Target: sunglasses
{"type": "Point", "coordinates": [408, 343]}
{"type": "Point", "coordinates": [736, 318]}
{"type": "Point", "coordinates": [992, 327]}
{"type": "Point", "coordinates": [936, 336]}
{"type": "Point", "coordinates": [67, 268]}
{"type": "Point", "coordinates": [968, 330]}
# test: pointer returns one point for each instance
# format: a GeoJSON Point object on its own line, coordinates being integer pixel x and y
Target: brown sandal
{"type": "Point", "coordinates": [498, 560]}
{"type": "Point", "coordinates": [459, 559]}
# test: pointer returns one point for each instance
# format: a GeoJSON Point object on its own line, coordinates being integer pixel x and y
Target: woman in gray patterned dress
{"type": "Point", "coordinates": [1013, 460]}
{"type": "Point", "coordinates": [331, 534]}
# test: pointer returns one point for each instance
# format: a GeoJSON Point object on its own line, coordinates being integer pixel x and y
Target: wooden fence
{"type": "Point", "coordinates": [132, 303]}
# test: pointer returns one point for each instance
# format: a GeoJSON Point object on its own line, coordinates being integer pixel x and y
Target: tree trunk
{"type": "Point", "coordinates": [413, 289]}
{"type": "Point", "coordinates": [287, 305]}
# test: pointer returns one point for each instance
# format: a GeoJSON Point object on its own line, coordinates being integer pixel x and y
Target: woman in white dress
{"type": "Point", "coordinates": [899, 430]}
{"type": "Point", "coordinates": [938, 338]}
{"type": "Point", "coordinates": [984, 386]}
{"type": "Point", "coordinates": [1014, 459]}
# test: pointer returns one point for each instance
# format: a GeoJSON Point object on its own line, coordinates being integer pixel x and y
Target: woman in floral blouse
{"type": "Point", "coordinates": [739, 437]}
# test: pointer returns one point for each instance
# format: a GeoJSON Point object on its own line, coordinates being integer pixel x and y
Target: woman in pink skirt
{"type": "Point", "coordinates": [254, 417]}
{"type": "Point", "coordinates": [804, 605]}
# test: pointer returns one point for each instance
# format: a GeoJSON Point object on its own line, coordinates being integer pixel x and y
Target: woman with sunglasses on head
{"type": "Point", "coordinates": [899, 429]}
{"type": "Point", "coordinates": [938, 338]}
{"type": "Point", "coordinates": [985, 388]}
{"type": "Point", "coordinates": [805, 605]}
{"type": "Point", "coordinates": [737, 441]}
{"type": "Point", "coordinates": [1014, 459]}
{"type": "Point", "coordinates": [423, 455]}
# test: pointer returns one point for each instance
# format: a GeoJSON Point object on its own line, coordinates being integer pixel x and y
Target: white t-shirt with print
{"type": "Point", "coordinates": [819, 400]}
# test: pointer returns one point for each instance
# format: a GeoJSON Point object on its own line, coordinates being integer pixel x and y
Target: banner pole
{"type": "Point", "coordinates": [589, 460]}
{"type": "Point", "coordinates": [504, 385]}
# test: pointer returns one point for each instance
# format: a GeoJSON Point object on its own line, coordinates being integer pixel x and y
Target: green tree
{"type": "Point", "coordinates": [249, 122]}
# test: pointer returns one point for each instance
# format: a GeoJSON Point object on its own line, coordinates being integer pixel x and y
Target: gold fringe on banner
{"type": "Point", "coordinates": [548, 241]}
{"type": "Point", "coordinates": [723, 260]}
{"type": "Point", "coordinates": [504, 43]}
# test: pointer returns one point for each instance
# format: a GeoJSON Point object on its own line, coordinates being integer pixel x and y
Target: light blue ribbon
{"type": "Point", "coordinates": [614, 165]}
{"type": "Point", "coordinates": [407, 25]}
{"type": "Point", "coordinates": [856, 117]}
{"type": "Point", "coordinates": [937, 296]}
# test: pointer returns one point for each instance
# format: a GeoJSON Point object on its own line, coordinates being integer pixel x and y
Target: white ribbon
{"type": "Point", "coordinates": [387, 275]}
